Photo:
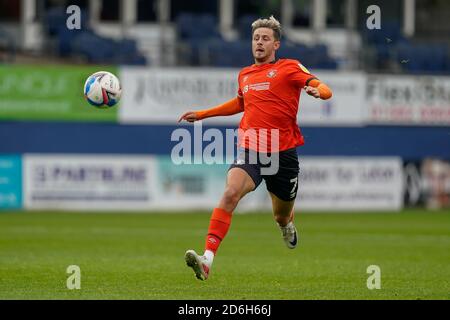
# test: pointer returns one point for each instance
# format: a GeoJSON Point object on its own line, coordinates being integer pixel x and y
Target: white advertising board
{"type": "Point", "coordinates": [345, 108]}
{"type": "Point", "coordinates": [350, 184]}
{"type": "Point", "coordinates": [329, 184]}
{"type": "Point", "coordinates": [156, 95]}
{"type": "Point", "coordinates": [162, 95]}
{"type": "Point", "coordinates": [76, 182]}
{"type": "Point", "coordinates": [408, 100]}
{"type": "Point", "coordinates": [91, 182]}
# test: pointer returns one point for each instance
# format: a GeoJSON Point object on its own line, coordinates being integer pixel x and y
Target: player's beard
{"type": "Point", "coordinates": [261, 57]}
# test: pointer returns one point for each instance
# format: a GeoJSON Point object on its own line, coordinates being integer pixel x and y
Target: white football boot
{"type": "Point", "coordinates": [198, 263]}
{"type": "Point", "coordinates": [289, 235]}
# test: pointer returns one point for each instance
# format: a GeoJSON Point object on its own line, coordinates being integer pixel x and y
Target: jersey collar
{"type": "Point", "coordinates": [268, 64]}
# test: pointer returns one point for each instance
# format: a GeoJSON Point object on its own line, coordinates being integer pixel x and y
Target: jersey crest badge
{"type": "Point", "coordinates": [272, 73]}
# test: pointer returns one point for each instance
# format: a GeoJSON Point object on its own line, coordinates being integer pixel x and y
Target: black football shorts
{"type": "Point", "coordinates": [281, 176]}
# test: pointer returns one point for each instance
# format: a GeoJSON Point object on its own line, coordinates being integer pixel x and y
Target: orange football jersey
{"type": "Point", "coordinates": [271, 94]}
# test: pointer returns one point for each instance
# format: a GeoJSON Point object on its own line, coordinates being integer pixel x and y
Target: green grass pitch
{"type": "Point", "coordinates": [141, 256]}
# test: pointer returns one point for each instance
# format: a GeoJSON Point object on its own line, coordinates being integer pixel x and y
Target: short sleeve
{"type": "Point", "coordinates": [299, 74]}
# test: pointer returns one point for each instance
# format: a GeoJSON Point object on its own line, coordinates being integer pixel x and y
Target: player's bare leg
{"type": "Point", "coordinates": [238, 184]}
{"type": "Point", "coordinates": [283, 212]}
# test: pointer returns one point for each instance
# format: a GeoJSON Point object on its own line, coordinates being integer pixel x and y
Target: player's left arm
{"type": "Point", "coordinates": [318, 89]}
{"type": "Point", "coordinates": [302, 78]}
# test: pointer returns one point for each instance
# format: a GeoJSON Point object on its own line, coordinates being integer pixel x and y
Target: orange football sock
{"type": "Point", "coordinates": [218, 228]}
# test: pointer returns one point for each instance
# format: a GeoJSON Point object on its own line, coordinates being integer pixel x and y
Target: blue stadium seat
{"type": "Point", "coordinates": [85, 42]}
{"type": "Point", "coordinates": [127, 53]}
{"type": "Point", "coordinates": [197, 26]}
{"type": "Point", "coordinates": [436, 61]}
{"type": "Point", "coordinates": [329, 64]}
{"type": "Point", "coordinates": [185, 25]}
{"type": "Point", "coordinates": [244, 26]}
{"type": "Point", "coordinates": [383, 54]}
{"type": "Point", "coordinates": [65, 39]}
{"type": "Point", "coordinates": [196, 30]}
{"type": "Point", "coordinates": [126, 47]}
{"type": "Point", "coordinates": [423, 58]}
{"type": "Point", "coordinates": [390, 32]}
{"type": "Point", "coordinates": [314, 57]}
{"type": "Point", "coordinates": [137, 60]}
{"type": "Point", "coordinates": [289, 50]}
{"type": "Point", "coordinates": [229, 53]}
{"type": "Point", "coordinates": [55, 18]}
{"type": "Point", "coordinates": [55, 21]}
{"type": "Point", "coordinates": [391, 47]}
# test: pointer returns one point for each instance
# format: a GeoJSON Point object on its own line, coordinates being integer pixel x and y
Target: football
{"type": "Point", "coordinates": [102, 89]}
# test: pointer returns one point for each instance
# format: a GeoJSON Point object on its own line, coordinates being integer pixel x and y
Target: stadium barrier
{"type": "Point", "coordinates": [145, 183]}
{"type": "Point", "coordinates": [155, 96]}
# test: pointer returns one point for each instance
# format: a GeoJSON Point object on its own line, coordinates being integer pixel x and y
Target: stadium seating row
{"type": "Point", "coordinates": [205, 45]}
{"type": "Point", "coordinates": [85, 43]}
{"type": "Point", "coordinates": [392, 49]}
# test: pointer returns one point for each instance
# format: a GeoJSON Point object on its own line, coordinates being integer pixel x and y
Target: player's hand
{"type": "Point", "coordinates": [313, 92]}
{"type": "Point", "coordinates": [189, 116]}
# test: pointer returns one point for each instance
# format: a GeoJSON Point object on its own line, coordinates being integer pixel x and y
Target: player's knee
{"type": "Point", "coordinates": [231, 195]}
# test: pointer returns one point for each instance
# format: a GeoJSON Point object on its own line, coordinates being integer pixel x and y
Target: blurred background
{"type": "Point", "coordinates": [381, 143]}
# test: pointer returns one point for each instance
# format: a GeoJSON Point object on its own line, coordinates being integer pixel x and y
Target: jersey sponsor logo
{"type": "Point", "coordinates": [272, 73]}
{"type": "Point", "coordinates": [260, 86]}
{"type": "Point", "coordinates": [303, 68]}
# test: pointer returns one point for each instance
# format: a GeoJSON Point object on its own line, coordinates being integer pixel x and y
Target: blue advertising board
{"type": "Point", "coordinates": [10, 182]}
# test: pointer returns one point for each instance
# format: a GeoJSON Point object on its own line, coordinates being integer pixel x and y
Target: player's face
{"type": "Point", "coordinates": [264, 45]}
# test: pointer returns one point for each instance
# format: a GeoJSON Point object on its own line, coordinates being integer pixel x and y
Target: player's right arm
{"type": "Point", "coordinates": [228, 108]}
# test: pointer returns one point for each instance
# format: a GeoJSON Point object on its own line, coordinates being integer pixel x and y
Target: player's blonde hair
{"type": "Point", "coordinates": [270, 23]}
